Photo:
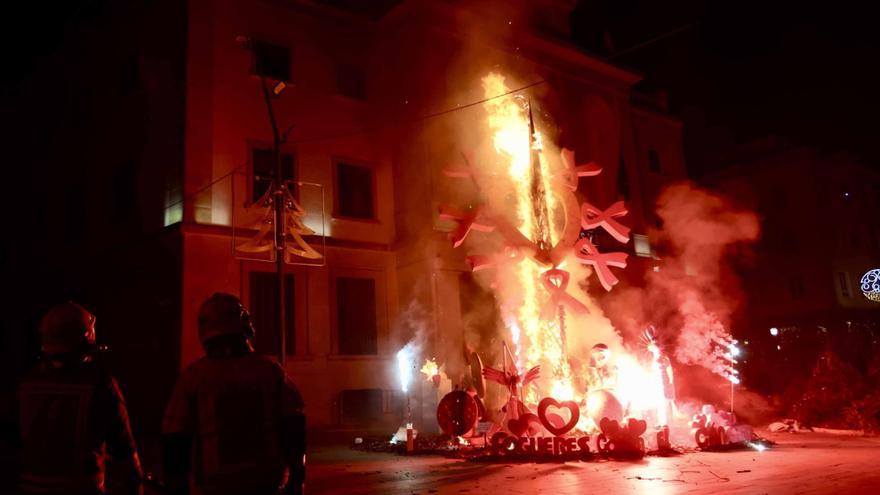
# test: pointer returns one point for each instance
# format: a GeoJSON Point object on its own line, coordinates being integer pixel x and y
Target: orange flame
{"type": "Point", "coordinates": [535, 208]}
{"type": "Point", "coordinates": [430, 369]}
{"type": "Point", "coordinates": [535, 341]}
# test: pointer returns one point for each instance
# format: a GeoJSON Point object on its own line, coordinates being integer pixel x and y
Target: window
{"type": "Point", "coordinates": [264, 312]}
{"type": "Point", "coordinates": [843, 280]}
{"type": "Point", "coordinates": [622, 180]}
{"type": "Point", "coordinates": [124, 193]}
{"type": "Point", "coordinates": [358, 407]}
{"type": "Point", "coordinates": [354, 191]}
{"type": "Point", "coordinates": [263, 164]}
{"type": "Point", "coordinates": [271, 60]}
{"type": "Point", "coordinates": [642, 245]}
{"type": "Point", "coordinates": [356, 315]}
{"type": "Point", "coordinates": [654, 161]}
{"type": "Point", "coordinates": [351, 82]}
{"type": "Point", "coordinates": [796, 287]}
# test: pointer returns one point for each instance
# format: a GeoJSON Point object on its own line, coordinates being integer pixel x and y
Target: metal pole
{"type": "Point", "coordinates": [278, 202]}
{"type": "Point", "coordinates": [731, 396]}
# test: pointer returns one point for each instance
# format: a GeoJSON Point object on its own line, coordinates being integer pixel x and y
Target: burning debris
{"type": "Point", "coordinates": [558, 403]}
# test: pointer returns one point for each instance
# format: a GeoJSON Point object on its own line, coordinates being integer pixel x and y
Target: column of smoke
{"type": "Point", "coordinates": [692, 298]}
{"type": "Point", "coordinates": [412, 324]}
{"type": "Point", "coordinates": [700, 227]}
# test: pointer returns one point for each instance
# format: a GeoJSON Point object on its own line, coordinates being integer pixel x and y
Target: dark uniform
{"type": "Point", "coordinates": [72, 416]}
{"type": "Point", "coordinates": [239, 419]}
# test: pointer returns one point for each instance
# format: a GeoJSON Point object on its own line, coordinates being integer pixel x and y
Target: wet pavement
{"type": "Point", "coordinates": [808, 463]}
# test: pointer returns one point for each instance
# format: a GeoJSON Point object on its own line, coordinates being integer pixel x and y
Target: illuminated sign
{"type": "Point", "coordinates": [871, 284]}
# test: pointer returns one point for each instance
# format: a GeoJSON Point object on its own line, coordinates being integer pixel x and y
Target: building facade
{"type": "Point", "coordinates": [819, 237]}
{"type": "Point", "coordinates": [379, 100]}
{"type": "Point", "coordinates": [359, 87]}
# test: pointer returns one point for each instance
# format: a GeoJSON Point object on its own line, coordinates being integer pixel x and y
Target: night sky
{"type": "Point", "coordinates": [734, 70]}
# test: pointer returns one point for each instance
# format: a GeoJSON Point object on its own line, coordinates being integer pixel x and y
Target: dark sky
{"type": "Point", "coordinates": [737, 69]}
{"type": "Point", "coordinates": [746, 68]}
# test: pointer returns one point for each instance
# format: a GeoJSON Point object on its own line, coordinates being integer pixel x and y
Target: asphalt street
{"type": "Point", "coordinates": [807, 463]}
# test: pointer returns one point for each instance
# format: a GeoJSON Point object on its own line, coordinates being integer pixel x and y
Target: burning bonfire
{"type": "Point", "coordinates": [566, 374]}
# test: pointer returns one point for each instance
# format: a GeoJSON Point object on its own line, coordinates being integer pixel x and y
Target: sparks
{"type": "Point", "coordinates": [404, 368]}
{"type": "Point", "coordinates": [430, 369]}
{"type": "Point", "coordinates": [519, 149]}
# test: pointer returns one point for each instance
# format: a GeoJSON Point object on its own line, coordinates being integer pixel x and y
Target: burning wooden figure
{"type": "Point", "coordinates": [663, 384]}
{"type": "Point", "coordinates": [515, 411]}
{"type": "Point", "coordinates": [539, 228]}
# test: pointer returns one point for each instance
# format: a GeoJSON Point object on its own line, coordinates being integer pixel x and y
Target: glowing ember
{"type": "Point", "coordinates": [430, 369]}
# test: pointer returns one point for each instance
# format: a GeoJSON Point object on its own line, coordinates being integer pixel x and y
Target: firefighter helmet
{"type": "Point", "coordinates": [223, 314]}
{"type": "Point", "coordinates": [67, 327]}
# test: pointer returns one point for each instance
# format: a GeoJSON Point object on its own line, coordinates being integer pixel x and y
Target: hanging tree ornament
{"type": "Point", "coordinates": [296, 229]}
{"type": "Point", "coordinates": [294, 234]}
{"type": "Point", "coordinates": [264, 240]}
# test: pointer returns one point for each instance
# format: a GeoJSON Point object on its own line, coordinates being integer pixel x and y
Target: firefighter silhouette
{"type": "Point", "coordinates": [235, 422]}
{"type": "Point", "coordinates": [72, 416]}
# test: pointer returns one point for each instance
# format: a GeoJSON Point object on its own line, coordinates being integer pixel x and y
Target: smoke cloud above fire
{"type": "Point", "coordinates": [695, 293]}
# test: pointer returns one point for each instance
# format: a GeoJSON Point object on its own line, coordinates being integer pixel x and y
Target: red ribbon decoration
{"type": "Point", "coordinates": [467, 221]}
{"type": "Point", "coordinates": [555, 281]}
{"type": "Point", "coordinates": [588, 254]}
{"type": "Point", "coordinates": [569, 177]}
{"type": "Point", "coordinates": [592, 217]}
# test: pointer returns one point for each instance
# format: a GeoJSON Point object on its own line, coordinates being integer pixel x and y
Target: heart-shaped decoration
{"type": "Point", "coordinates": [520, 426]}
{"type": "Point", "coordinates": [571, 405]}
{"type": "Point", "coordinates": [637, 426]}
{"type": "Point", "coordinates": [609, 427]}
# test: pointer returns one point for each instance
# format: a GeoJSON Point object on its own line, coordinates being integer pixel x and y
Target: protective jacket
{"type": "Point", "coordinates": [72, 417]}
{"type": "Point", "coordinates": [233, 414]}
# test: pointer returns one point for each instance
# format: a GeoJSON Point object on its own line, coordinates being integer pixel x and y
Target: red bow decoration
{"type": "Point", "coordinates": [592, 217]}
{"type": "Point", "coordinates": [569, 176]}
{"type": "Point", "coordinates": [467, 221]}
{"type": "Point", "coordinates": [588, 254]}
{"type": "Point", "coordinates": [555, 281]}
{"type": "Point", "coordinates": [480, 262]}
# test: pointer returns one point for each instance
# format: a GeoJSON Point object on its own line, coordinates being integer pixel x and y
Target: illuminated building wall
{"type": "Point", "coordinates": [196, 115]}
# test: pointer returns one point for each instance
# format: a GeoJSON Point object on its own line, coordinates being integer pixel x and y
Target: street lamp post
{"type": "Point", "coordinates": [278, 198]}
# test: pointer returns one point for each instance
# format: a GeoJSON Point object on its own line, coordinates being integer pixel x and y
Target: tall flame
{"type": "Point", "coordinates": [517, 143]}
